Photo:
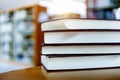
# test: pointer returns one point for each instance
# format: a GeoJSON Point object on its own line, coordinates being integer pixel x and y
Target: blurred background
{"type": "Point", "coordinates": [20, 35]}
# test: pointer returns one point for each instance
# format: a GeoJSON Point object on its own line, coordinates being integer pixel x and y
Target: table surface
{"type": "Point", "coordinates": [39, 73]}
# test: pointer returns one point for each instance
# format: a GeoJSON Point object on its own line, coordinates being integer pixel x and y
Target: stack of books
{"type": "Point", "coordinates": [72, 44]}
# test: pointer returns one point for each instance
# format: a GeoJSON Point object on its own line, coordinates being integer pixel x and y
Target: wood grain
{"type": "Point", "coordinates": [26, 74]}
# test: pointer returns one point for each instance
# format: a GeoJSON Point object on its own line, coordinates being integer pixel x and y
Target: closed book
{"type": "Point", "coordinates": [98, 74]}
{"type": "Point", "coordinates": [83, 36]}
{"type": "Point", "coordinates": [68, 24]}
{"type": "Point", "coordinates": [61, 62]}
{"type": "Point", "coordinates": [80, 49]}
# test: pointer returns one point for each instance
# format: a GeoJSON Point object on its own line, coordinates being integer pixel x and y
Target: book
{"type": "Point", "coordinates": [82, 36]}
{"type": "Point", "coordinates": [61, 62]}
{"type": "Point", "coordinates": [70, 24]}
{"type": "Point", "coordinates": [80, 49]}
{"type": "Point", "coordinates": [98, 74]}
{"type": "Point", "coordinates": [65, 15]}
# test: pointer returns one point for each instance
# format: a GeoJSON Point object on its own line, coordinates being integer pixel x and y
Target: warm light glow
{"type": "Point", "coordinates": [65, 6]}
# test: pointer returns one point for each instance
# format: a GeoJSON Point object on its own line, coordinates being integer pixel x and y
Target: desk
{"type": "Point", "coordinates": [38, 73]}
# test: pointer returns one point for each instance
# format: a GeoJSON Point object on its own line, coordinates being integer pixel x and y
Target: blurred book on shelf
{"type": "Point", "coordinates": [117, 13]}
{"type": "Point", "coordinates": [100, 9]}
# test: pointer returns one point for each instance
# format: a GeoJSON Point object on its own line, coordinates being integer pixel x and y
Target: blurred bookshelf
{"type": "Point", "coordinates": [20, 35]}
{"type": "Point", "coordinates": [102, 9]}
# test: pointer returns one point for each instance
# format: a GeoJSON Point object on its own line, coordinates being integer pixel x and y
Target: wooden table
{"type": "Point", "coordinates": [38, 73]}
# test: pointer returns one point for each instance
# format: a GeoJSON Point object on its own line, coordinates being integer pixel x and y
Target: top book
{"type": "Point", "coordinates": [73, 24]}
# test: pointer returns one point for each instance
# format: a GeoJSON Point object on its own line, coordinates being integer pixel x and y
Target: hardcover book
{"type": "Point", "coordinates": [98, 74]}
{"type": "Point", "coordinates": [68, 24]}
{"type": "Point", "coordinates": [80, 49]}
{"type": "Point", "coordinates": [61, 62]}
{"type": "Point", "coordinates": [62, 37]}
